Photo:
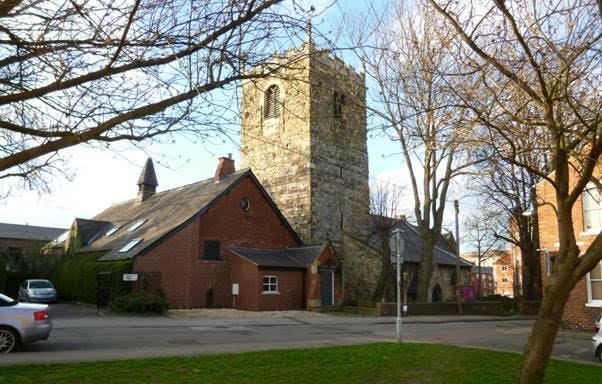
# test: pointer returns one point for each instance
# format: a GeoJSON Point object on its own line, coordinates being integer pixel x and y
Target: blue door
{"type": "Point", "coordinates": [326, 287]}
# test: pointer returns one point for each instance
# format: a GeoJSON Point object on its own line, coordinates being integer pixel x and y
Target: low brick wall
{"type": "Point", "coordinates": [484, 308]}
{"type": "Point", "coordinates": [529, 307]}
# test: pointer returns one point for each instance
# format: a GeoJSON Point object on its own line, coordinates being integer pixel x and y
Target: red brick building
{"type": "Point", "coordinates": [220, 242]}
{"type": "Point", "coordinates": [585, 302]}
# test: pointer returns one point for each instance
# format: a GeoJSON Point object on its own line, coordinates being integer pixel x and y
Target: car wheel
{"type": "Point", "coordinates": [9, 340]}
{"type": "Point", "coordinates": [599, 353]}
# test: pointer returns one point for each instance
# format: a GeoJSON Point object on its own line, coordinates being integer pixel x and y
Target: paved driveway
{"type": "Point", "coordinates": [81, 335]}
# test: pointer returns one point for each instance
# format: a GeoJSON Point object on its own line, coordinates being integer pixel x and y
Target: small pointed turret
{"type": "Point", "coordinates": [310, 46]}
{"type": "Point", "coordinates": [147, 182]}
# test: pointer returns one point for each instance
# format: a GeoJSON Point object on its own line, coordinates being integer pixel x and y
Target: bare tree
{"type": "Point", "coordinates": [386, 207]}
{"type": "Point", "coordinates": [482, 237]}
{"type": "Point", "coordinates": [409, 56]}
{"type": "Point", "coordinates": [509, 190]}
{"type": "Point", "coordinates": [538, 66]}
{"type": "Point", "coordinates": [74, 72]}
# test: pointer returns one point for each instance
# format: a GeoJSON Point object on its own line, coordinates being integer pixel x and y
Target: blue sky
{"type": "Point", "coordinates": [106, 176]}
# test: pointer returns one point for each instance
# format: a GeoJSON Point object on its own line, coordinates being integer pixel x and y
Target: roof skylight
{"type": "Point", "coordinates": [130, 245]}
{"type": "Point", "coordinates": [112, 230]}
{"type": "Point", "coordinates": [136, 225]}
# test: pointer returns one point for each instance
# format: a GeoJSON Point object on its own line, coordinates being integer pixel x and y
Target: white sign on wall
{"type": "Point", "coordinates": [130, 277]}
{"type": "Point", "coordinates": [235, 288]}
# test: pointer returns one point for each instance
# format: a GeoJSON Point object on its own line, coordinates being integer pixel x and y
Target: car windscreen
{"type": "Point", "coordinates": [6, 301]}
{"type": "Point", "coordinates": [40, 284]}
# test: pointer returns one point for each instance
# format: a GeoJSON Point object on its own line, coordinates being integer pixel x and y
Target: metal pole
{"type": "Point", "coordinates": [399, 262]}
{"type": "Point", "coordinates": [458, 293]}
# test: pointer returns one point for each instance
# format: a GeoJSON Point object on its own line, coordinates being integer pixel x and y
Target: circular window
{"type": "Point", "coordinates": [245, 204]}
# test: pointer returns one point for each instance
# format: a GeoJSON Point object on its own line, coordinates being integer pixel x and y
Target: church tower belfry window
{"type": "Point", "coordinates": [338, 103]}
{"type": "Point", "coordinates": [271, 106]}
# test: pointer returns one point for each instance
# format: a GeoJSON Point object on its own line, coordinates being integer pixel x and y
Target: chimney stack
{"type": "Point", "coordinates": [147, 182]}
{"type": "Point", "coordinates": [224, 168]}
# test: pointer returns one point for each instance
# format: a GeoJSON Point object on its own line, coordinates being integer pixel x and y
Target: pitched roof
{"type": "Point", "coordinates": [294, 257]}
{"type": "Point", "coordinates": [90, 229]}
{"type": "Point", "coordinates": [442, 253]}
{"type": "Point", "coordinates": [162, 214]}
{"type": "Point", "coordinates": [29, 232]}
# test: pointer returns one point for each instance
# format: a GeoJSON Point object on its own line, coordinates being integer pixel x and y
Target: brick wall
{"type": "Point", "coordinates": [290, 290]}
{"type": "Point", "coordinates": [186, 277]}
{"type": "Point", "coordinates": [577, 314]}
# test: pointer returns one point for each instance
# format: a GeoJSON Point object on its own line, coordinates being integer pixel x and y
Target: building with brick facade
{"type": "Point", "coordinates": [220, 242]}
{"type": "Point", "coordinates": [17, 241]}
{"type": "Point", "coordinates": [585, 302]}
{"type": "Point", "coordinates": [504, 269]}
{"type": "Point", "coordinates": [303, 133]}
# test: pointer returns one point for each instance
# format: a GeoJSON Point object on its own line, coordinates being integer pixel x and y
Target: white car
{"type": "Point", "coordinates": [597, 339]}
{"type": "Point", "coordinates": [22, 323]}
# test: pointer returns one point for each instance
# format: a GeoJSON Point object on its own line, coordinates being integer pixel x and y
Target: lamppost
{"type": "Point", "coordinates": [397, 246]}
{"type": "Point", "coordinates": [458, 292]}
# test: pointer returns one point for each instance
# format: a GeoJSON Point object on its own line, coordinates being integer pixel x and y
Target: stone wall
{"type": "Point", "coordinates": [361, 270]}
{"type": "Point", "coordinates": [312, 161]}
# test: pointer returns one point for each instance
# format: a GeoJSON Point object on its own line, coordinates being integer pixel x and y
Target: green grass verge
{"type": "Point", "coordinates": [372, 363]}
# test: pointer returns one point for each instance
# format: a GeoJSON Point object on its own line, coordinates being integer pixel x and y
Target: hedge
{"type": "Point", "coordinates": [139, 302]}
{"type": "Point", "coordinates": [74, 276]}
{"type": "Point", "coordinates": [2, 274]}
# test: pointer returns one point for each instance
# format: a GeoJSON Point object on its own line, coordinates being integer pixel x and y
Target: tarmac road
{"type": "Point", "coordinates": [79, 334]}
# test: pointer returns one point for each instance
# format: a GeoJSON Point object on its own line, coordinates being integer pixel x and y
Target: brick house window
{"type": "Point", "coordinates": [270, 284]}
{"type": "Point", "coordinates": [592, 207]}
{"type": "Point", "coordinates": [271, 103]}
{"type": "Point", "coordinates": [504, 280]}
{"type": "Point", "coordinates": [594, 286]}
{"type": "Point", "coordinates": [504, 268]}
{"type": "Point", "coordinates": [211, 250]}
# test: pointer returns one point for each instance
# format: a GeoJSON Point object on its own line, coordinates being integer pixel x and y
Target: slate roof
{"type": "Point", "coordinates": [163, 213]}
{"type": "Point", "coordinates": [29, 232]}
{"type": "Point", "coordinates": [89, 230]}
{"type": "Point", "coordinates": [148, 175]}
{"type": "Point", "coordinates": [294, 257]}
{"type": "Point", "coordinates": [442, 254]}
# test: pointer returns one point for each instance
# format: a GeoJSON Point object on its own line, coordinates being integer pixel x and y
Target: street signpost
{"type": "Point", "coordinates": [397, 246]}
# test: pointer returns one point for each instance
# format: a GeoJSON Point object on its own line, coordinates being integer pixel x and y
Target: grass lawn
{"type": "Point", "coordinates": [372, 363]}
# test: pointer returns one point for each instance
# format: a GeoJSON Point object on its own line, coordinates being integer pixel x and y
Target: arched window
{"type": "Point", "coordinates": [271, 107]}
{"type": "Point", "coordinates": [338, 103]}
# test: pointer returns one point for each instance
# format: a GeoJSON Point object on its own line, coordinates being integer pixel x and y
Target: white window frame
{"type": "Point", "coordinates": [588, 195]}
{"type": "Point", "coordinates": [128, 247]}
{"type": "Point", "coordinates": [137, 224]}
{"type": "Point", "coordinates": [272, 285]}
{"type": "Point", "coordinates": [112, 230]}
{"type": "Point", "coordinates": [591, 302]}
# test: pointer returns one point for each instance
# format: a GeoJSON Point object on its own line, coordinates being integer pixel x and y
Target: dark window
{"type": "Point", "coordinates": [338, 103]}
{"type": "Point", "coordinates": [340, 172]}
{"type": "Point", "coordinates": [341, 220]}
{"type": "Point", "coordinates": [245, 204]}
{"type": "Point", "coordinates": [211, 250]}
{"type": "Point", "coordinates": [270, 284]}
{"type": "Point", "coordinates": [271, 107]}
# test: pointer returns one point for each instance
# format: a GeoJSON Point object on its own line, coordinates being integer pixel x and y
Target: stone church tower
{"type": "Point", "coordinates": [303, 134]}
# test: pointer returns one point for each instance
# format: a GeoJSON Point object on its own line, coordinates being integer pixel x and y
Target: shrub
{"type": "Point", "coordinates": [509, 304]}
{"type": "Point", "coordinates": [2, 274]}
{"type": "Point", "coordinates": [139, 302]}
{"type": "Point", "coordinates": [74, 276]}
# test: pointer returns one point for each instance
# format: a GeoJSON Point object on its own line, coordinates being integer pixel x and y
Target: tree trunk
{"type": "Point", "coordinates": [425, 270]}
{"type": "Point", "coordinates": [541, 340]}
{"type": "Point", "coordinates": [383, 285]}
